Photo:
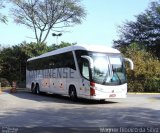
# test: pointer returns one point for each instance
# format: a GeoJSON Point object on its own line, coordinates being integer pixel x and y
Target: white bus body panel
{"type": "Point", "coordinates": [93, 48]}
{"type": "Point", "coordinates": [104, 92]}
{"type": "Point", "coordinates": [48, 82]}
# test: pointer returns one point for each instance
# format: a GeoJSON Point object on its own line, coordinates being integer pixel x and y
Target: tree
{"type": "Point", "coordinates": [33, 49]}
{"type": "Point", "coordinates": [146, 70]}
{"type": "Point", "coordinates": [13, 59]}
{"type": "Point", "coordinates": [3, 18]}
{"type": "Point", "coordinates": [45, 15]}
{"type": "Point", "coordinates": [61, 45]}
{"type": "Point", "coordinates": [9, 63]}
{"type": "Point", "coordinates": [145, 30]}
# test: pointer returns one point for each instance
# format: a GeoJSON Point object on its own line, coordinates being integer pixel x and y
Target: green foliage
{"type": "Point", "coordinates": [12, 59]}
{"type": "Point", "coordinates": [145, 30]}
{"type": "Point", "coordinates": [146, 70]}
{"type": "Point", "coordinates": [61, 45]}
{"type": "Point", "coordinates": [4, 82]}
{"type": "Point", "coordinates": [152, 85]}
{"type": "Point", "coordinates": [33, 49]}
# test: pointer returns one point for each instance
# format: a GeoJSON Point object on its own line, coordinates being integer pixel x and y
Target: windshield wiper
{"type": "Point", "coordinates": [105, 78]}
{"type": "Point", "coordinates": [120, 82]}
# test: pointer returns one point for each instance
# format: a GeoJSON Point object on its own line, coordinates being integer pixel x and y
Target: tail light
{"type": "Point", "coordinates": [92, 89]}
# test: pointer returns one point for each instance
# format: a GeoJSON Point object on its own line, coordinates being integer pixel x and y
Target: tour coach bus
{"type": "Point", "coordinates": [91, 72]}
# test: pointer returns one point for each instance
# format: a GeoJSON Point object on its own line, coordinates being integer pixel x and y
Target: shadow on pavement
{"type": "Point", "coordinates": [26, 94]}
{"type": "Point", "coordinates": [80, 118]}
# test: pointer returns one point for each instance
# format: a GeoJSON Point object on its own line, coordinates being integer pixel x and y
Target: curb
{"type": "Point", "coordinates": [143, 93]}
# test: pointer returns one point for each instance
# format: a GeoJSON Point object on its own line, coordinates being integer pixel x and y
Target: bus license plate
{"type": "Point", "coordinates": [112, 95]}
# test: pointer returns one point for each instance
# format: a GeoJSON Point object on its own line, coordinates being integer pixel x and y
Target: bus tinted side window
{"type": "Point", "coordinates": [85, 69]}
{"type": "Point", "coordinates": [69, 60]}
{"type": "Point", "coordinates": [33, 65]}
{"type": "Point", "coordinates": [81, 63]}
{"type": "Point", "coordinates": [64, 60]}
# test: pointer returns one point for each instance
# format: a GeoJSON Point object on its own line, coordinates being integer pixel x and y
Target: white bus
{"type": "Point", "coordinates": [91, 72]}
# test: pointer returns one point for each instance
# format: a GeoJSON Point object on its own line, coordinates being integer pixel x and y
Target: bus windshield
{"type": "Point", "coordinates": [108, 69]}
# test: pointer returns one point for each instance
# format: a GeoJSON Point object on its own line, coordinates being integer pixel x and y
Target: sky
{"type": "Point", "coordinates": [100, 26]}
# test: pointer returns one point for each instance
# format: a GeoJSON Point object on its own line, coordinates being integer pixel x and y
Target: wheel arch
{"type": "Point", "coordinates": [37, 84]}
{"type": "Point", "coordinates": [71, 86]}
{"type": "Point", "coordinates": [32, 85]}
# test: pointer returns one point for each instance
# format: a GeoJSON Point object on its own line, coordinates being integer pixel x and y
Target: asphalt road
{"type": "Point", "coordinates": [24, 109]}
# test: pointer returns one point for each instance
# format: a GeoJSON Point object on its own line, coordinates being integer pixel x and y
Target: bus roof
{"type": "Point", "coordinates": [94, 48]}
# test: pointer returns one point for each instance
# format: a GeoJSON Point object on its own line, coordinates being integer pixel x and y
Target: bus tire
{"type": "Point", "coordinates": [33, 88]}
{"type": "Point", "coordinates": [37, 90]}
{"type": "Point", "coordinates": [72, 93]}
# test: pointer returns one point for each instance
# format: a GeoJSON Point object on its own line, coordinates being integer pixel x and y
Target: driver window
{"type": "Point", "coordinates": [85, 69]}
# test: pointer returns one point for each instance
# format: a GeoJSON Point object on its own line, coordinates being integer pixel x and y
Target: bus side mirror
{"type": "Point", "coordinates": [130, 62]}
{"type": "Point", "coordinates": [90, 60]}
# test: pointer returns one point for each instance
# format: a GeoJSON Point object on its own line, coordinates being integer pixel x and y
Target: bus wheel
{"type": "Point", "coordinates": [33, 88]}
{"type": "Point", "coordinates": [72, 93]}
{"type": "Point", "coordinates": [37, 91]}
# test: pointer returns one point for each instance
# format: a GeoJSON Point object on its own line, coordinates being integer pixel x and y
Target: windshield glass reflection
{"type": "Point", "coordinates": [108, 69]}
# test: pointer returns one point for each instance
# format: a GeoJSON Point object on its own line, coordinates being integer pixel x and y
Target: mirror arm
{"type": "Point", "coordinates": [131, 63]}
{"type": "Point", "coordinates": [89, 59]}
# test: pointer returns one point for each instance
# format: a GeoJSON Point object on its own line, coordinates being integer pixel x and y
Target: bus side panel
{"type": "Point", "coordinates": [57, 85]}
{"type": "Point", "coordinates": [84, 87]}
{"type": "Point", "coordinates": [61, 79]}
{"type": "Point", "coordinates": [37, 77]}
{"type": "Point", "coordinates": [73, 79]}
